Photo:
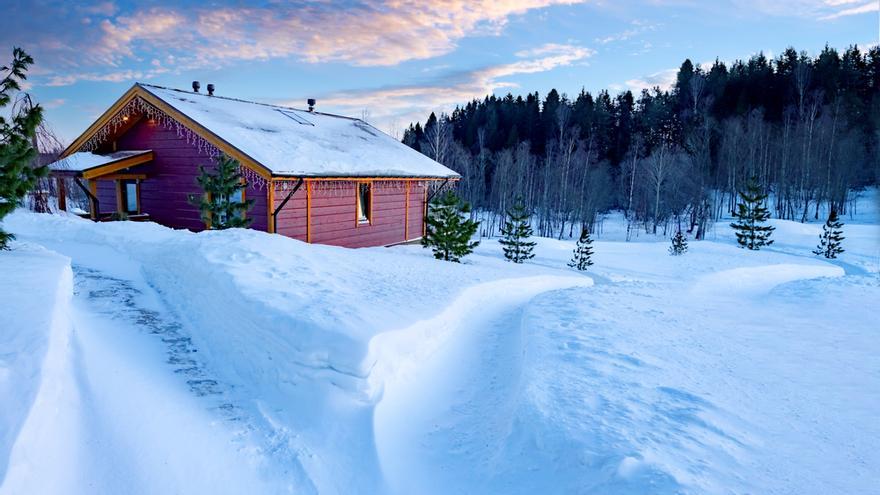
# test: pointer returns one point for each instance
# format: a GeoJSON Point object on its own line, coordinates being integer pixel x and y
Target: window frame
{"type": "Point", "coordinates": [357, 203]}
{"type": "Point", "coordinates": [137, 195]}
{"type": "Point", "coordinates": [243, 192]}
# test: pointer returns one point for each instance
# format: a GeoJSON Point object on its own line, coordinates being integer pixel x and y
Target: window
{"type": "Point", "coordinates": [364, 202]}
{"type": "Point", "coordinates": [237, 197]}
{"type": "Point", "coordinates": [295, 117]}
{"type": "Point", "coordinates": [130, 198]}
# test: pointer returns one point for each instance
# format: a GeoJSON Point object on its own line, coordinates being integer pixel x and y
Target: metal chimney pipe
{"type": "Point", "coordinates": [311, 102]}
{"type": "Point", "coordinates": [196, 86]}
{"type": "Point", "coordinates": [210, 90]}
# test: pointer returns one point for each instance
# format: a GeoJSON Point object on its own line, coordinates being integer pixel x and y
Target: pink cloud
{"type": "Point", "coordinates": [664, 80]}
{"type": "Point", "coordinates": [391, 105]}
{"type": "Point", "coordinates": [155, 27]}
{"type": "Point", "coordinates": [369, 34]}
{"type": "Point", "coordinates": [849, 11]}
{"type": "Point", "coordinates": [127, 75]}
{"type": "Point", "coordinates": [817, 9]}
{"type": "Point", "coordinates": [54, 103]}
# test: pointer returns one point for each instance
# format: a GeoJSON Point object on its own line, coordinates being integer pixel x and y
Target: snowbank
{"type": "Point", "coordinates": [395, 354]}
{"type": "Point", "coordinates": [35, 294]}
{"type": "Point", "coordinates": [721, 371]}
{"type": "Point", "coordinates": [386, 371]}
{"type": "Point", "coordinates": [287, 324]}
{"type": "Point", "coordinates": [755, 281]}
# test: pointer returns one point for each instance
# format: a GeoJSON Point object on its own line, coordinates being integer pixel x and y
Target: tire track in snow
{"type": "Point", "coordinates": [117, 299]}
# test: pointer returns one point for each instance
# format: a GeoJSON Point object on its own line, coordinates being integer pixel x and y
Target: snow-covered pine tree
{"type": "Point", "coordinates": [17, 152]}
{"type": "Point", "coordinates": [222, 206]}
{"type": "Point", "coordinates": [447, 231]}
{"type": "Point", "coordinates": [832, 235]}
{"type": "Point", "coordinates": [751, 233]}
{"type": "Point", "coordinates": [679, 244]}
{"type": "Point", "coordinates": [582, 258]}
{"type": "Point", "coordinates": [516, 233]}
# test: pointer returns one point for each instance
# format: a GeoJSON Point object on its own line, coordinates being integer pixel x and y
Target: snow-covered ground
{"type": "Point", "coordinates": [138, 359]}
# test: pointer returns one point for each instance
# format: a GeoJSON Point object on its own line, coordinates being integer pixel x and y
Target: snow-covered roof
{"type": "Point", "coordinates": [299, 143]}
{"type": "Point", "coordinates": [83, 161]}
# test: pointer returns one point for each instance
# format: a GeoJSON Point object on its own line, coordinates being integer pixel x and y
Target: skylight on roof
{"type": "Point", "coordinates": [365, 127]}
{"type": "Point", "coordinates": [298, 118]}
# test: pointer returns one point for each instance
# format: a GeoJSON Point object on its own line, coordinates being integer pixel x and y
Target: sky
{"type": "Point", "coordinates": [394, 62]}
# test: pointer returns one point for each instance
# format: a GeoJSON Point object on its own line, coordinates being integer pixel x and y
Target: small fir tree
{"type": "Point", "coordinates": [221, 206]}
{"type": "Point", "coordinates": [516, 232]}
{"type": "Point", "coordinates": [831, 237]}
{"type": "Point", "coordinates": [751, 233]}
{"type": "Point", "coordinates": [17, 152]}
{"type": "Point", "coordinates": [582, 258]}
{"type": "Point", "coordinates": [679, 244]}
{"type": "Point", "coordinates": [447, 231]}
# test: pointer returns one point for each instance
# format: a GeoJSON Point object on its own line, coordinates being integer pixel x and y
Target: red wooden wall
{"type": "Point", "coordinates": [417, 195]}
{"type": "Point", "coordinates": [171, 179]}
{"type": "Point", "coordinates": [291, 220]}
{"type": "Point", "coordinates": [333, 209]}
{"type": "Point", "coordinates": [321, 211]}
{"type": "Point", "coordinates": [106, 196]}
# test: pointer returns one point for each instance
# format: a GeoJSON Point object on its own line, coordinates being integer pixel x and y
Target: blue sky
{"type": "Point", "coordinates": [394, 62]}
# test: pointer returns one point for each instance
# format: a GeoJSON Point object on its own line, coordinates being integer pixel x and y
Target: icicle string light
{"type": "Point", "coordinates": [435, 187]}
{"type": "Point", "coordinates": [138, 106]}
{"type": "Point", "coordinates": [340, 188]}
{"type": "Point", "coordinates": [253, 179]}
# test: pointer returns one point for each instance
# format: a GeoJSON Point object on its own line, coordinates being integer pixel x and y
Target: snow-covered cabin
{"type": "Point", "coordinates": [313, 176]}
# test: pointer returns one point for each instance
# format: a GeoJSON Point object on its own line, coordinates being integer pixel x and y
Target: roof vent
{"type": "Point", "coordinates": [311, 102]}
{"type": "Point", "coordinates": [196, 86]}
{"type": "Point", "coordinates": [210, 90]}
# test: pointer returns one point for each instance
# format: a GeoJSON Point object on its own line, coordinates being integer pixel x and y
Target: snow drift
{"type": "Point", "coordinates": [263, 363]}
{"type": "Point", "coordinates": [34, 330]}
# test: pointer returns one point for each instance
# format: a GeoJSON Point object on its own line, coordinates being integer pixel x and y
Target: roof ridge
{"type": "Point", "coordinates": [239, 100]}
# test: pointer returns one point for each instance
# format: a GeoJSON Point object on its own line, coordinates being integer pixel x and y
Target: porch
{"type": "Point", "coordinates": [107, 176]}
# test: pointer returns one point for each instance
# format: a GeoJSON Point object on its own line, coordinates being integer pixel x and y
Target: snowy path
{"type": "Point", "coordinates": [102, 299]}
{"type": "Point", "coordinates": [131, 401]}
{"type": "Point", "coordinates": [445, 412]}
{"type": "Point", "coordinates": [617, 388]}
{"type": "Point", "coordinates": [138, 402]}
